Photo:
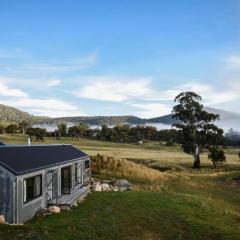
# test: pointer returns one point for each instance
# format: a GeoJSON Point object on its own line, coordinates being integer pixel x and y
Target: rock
{"type": "Point", "coordinates": [122, 183]}
{"type": "Point", "coordinates": [42, 212]}
{"type": "Point", "coordinates": [97, 187]}
{"type": "Point", "coordinates": [105, 187]}
{"type": "Point", "coordinates": [54, 209]}
{"type": "Point", "coordinates": [106, 181]}
{"type": "Point", "coordinates": [115, 189]}
{"type": "Point", "coordinates": [2, 219]}
{"type": "Point", "coordinates": [64, 208]}
{"type": "Point", "coordinates": [122, 189]}
{"type": "Point", "coordinates": [92, 181]}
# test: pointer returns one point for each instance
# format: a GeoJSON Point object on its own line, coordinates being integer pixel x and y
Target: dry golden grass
{"type": "Point", "coordinates": [124, 168]}
{"type": "Point", "coordinates": [154, 157]}
{"type": "Point", "coordinates": [148, 152]}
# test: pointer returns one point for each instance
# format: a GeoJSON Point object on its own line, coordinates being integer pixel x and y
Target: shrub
{"type": "Point", "coordinates": [217, 155]}
{"type": "Point", "coordinates": [12, 128]}
{"type": "Point", "coordinates": [39, 133]}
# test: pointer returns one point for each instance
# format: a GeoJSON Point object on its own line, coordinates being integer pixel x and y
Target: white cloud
{"type": "Point", "coordinates": [235, 85]}
{"type": "Point", "coordinates": [111, 88]}
{"type": "Point", "coordinates": [52, 82]}
{"type": "Point", "coordinates": [116, 89]}
{"type": "Point", "coordinates": [38, 106]}
{"type": "Point", "coordinates": [120, 89]}
{"type": "Point", "coordinates": [233, 62]}
{"type": "Point", "coordinates": [49, 107]}
{"type": "Point", "coordinates": [6, 91]}
{"type": "Point", "coordinates": [45, 107]}
{"type": "Point", "coordinates": [210, 95]}
{"type": "Point", "coordinates": [64, 65]}
{"type": "Point", "coordinates": [34, 83]}
{"type": "Point", "coordinates": [153, 109]}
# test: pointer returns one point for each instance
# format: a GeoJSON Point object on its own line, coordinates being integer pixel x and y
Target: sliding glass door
{"type": "Point", "coordinates": [65, 180]}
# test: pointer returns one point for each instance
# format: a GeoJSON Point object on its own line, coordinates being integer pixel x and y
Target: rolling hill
{"type": "Point", "coordinates": [227, 120]}
{"type": "Point", "coordinates": [12, 115]}
{"type": "Point", "coordinates": [96, 120]}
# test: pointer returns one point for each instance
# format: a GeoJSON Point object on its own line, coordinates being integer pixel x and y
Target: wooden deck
{"type": "Point", "coordinates": [76, 194]}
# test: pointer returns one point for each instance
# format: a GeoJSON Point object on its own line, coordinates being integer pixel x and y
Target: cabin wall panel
{"type": "Point", "coordinates": [7, 194]}
{"type": "Point", "coordinates": [26, 211]}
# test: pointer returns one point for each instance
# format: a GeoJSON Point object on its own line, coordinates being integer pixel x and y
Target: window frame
{"type": "Point", "coordinates": [86, 163]}
{"type": "Point", "coordinates": [25, 188]}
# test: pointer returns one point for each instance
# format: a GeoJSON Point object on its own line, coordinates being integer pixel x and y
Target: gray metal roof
{"type": "Point", "coordinates": [20, 159]}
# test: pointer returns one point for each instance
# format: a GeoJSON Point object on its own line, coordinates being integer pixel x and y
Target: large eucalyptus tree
{"type": "Point", "coordinates": [196, 125]}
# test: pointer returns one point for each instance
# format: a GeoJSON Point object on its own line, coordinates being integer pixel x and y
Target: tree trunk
{"type": "Point", "coordinates": [214, 164]}
{"type": "Point", "coordinates": [197, 158]}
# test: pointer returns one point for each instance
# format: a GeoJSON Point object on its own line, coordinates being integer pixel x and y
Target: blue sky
{"type": "Point", "coordinates": [71, 58]}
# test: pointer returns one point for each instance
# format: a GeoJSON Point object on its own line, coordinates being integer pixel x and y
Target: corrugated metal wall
{"type": "Point", "coordinates": [6, 194]}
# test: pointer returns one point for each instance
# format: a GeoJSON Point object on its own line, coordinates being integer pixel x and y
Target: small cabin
{"type": "Point", "coordinates": [36, 176]}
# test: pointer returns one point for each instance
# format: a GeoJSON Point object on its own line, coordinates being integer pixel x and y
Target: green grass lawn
{"type": "Point", "coordinates": [191, 204]}
{"type": "Point", "coordinates": [135, 215]}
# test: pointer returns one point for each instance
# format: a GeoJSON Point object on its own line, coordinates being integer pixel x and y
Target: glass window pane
{"type": "Point", "coordinates": [29, 183]}
{"type": "Point", "coordinates": [25, 191]}
{"type": "Point", "coordinates": [37, 186]}
{"type": "Point", "coordinates": [32, 188]}
{"type": "Point", "coordinates": [87, 164]}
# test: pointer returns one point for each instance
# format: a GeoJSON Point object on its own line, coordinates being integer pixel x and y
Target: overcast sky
{"type": "Point", "coordinates": [108, 57]}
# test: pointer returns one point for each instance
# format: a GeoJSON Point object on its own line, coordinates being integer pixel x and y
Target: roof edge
{"type": "Point", "coordinates": [35, 145]}
{"type": "Point", "coordinates": [41, 168]}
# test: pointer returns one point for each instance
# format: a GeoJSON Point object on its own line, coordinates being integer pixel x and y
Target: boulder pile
{"type": "Point", "coordinates": [42, 212]}
{"type": "Point", "coordinates": [54, 209]}
{"type": "Point", "coordinates": [110, 186]}
{"type": "Point", "coordinates": [2, 219]}
{"type": "Point", "coordinates": [51, 210]}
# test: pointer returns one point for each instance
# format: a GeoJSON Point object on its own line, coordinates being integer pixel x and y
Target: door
{"type": "Point", "coordinates": [77, 175]}
{"type": "Point", "coordinates": [52, 186]}
{"type": "Point", "coordinates": [66, 180]}
{"type": "Point", "coordinates": [86, 175]}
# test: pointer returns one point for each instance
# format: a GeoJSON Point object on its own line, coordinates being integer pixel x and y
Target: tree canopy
{"type": "Point", "coordinates": [196, 125]}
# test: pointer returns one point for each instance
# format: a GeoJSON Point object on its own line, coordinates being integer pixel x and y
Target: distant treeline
{"type": "Point", "coordinates": [119, 133]}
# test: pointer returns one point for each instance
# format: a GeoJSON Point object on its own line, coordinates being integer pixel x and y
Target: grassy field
{"type": "Point", "coordinates": [180, 203]}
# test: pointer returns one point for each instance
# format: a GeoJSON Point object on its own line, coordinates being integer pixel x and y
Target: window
{"type": "Point", "coordinates": [32, 188]}
{"type": "Point", "coordinates": [87, 164]}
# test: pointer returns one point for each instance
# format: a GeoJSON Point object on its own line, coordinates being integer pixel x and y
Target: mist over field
{"type": "Point", "coordinates": [228, 120]}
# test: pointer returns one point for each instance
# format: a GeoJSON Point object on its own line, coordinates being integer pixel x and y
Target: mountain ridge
{"type": "Point", "coordinates": [14, 115]}
{"type": "Point", "coordinates": [10, 114]}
